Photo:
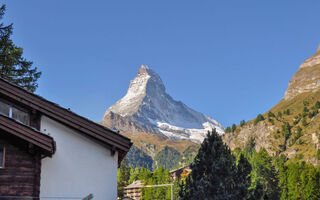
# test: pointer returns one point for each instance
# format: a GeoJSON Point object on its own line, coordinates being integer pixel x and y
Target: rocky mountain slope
{"type": "Point", "coordinates": [307, 79]}
{"type": "Point", "coordinates": [292, 126]}
{"type": "Point", "coordinates": [148, 108]}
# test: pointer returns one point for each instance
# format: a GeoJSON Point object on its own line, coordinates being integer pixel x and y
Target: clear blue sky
{"type": "Point", "coordinates": [228, 59]}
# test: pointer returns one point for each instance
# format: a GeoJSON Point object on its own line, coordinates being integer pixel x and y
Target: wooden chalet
{"type": "Point", "coordinates": [49, 151]}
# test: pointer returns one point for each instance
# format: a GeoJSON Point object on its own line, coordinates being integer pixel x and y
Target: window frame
{"type": "Point", "coordinates": [3, 166]}
{"type": "Point", "coordinates": [12, 105]}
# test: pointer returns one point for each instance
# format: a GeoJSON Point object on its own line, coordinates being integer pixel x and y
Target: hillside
{"type": "Point", "coordinates": [151, 150]}
{"type": "Point", "coordinates": [292, 126]}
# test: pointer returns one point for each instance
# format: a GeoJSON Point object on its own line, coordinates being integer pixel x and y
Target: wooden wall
{"type": "Point", "coordinates": [21, 175]}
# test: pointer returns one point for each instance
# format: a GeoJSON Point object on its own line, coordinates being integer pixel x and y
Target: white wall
{"type": "Point", "coordinates": [78, 167]}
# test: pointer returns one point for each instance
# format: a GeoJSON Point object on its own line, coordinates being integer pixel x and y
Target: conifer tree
{"type": "Point", "coordinates": [234, 127]}
{"type": "Point", "coordinates": [123, 177]}
{"type": "Point", "coordinates": [264, 174]}
{"type": "Point", "coordinates": [243, 179]}
{"type": "Point", "coordinates": [13, 67]}
{"type": "Point", "coordinates": [214, 173]}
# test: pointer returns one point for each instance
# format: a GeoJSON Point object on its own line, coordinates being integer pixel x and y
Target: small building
{"type": "Point", "coordinates": [176, 173]}
{"type": "Point", "coordinates": [49, 151]}
{"type": "Point", "coordinates": [133, 191]}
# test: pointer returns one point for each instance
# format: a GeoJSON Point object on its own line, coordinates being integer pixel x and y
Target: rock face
{"type": "Point", "coordinates": [148, 108]}
{"type": "Point", "coordinates": [260, 133]}
{"type": "Point", "coordinates": [306, 79]}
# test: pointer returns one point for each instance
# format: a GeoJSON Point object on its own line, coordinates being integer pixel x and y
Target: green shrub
{"type": "Point", "coordinates": [234, 127]}
{"type": "Point", "coordinates": [270, 114]}
{"type": "Point", "coordinates": [304, 122]}
{"type": "Point", "coordinates": [258, 119]}
{"type": "Point", "coordinates": [242, 123]}
{"type": "Point", "coordinates": [317, 105]}
{"type": "Point", "coordinates": [287, 112]}
{"type": "Point", "coordinates": [228, 129]}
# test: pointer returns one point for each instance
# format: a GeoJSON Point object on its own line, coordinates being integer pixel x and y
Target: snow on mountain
{"type": "Point", "coordinates": [148, 104]}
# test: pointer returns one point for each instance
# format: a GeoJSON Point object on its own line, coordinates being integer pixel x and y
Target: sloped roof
{"type": "Point", "coordinates": [94, 131]}
{"type": "Point", "coordinates": [26, 133]}
{"type": "Point", "coordinates": [135, 184]}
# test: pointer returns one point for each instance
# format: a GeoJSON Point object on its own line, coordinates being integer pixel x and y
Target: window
{"type": "Point", "coordinates": [2, 157]}
{"type": "Point", "coordinates": [14, 113]}
{"type": "Point", "coordinates": [20, 115]}
{"type": "Point", "coordinates": [4, 109]}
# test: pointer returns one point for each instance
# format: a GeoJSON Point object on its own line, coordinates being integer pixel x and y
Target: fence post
{"type": "Point", "coordinates": [172, 192]}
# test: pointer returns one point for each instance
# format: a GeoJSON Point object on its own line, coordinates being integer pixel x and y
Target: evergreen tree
{"type": "Point", "coordinates": [137, 158]}
{"type": "Point", "coordinates": [312, 186]}
{"type": "Point", "coordinates": [264, 174]}
{"type": "Point", "coordinates": [270, 114]}
{"type": "Point", "coordinates": [159, 176]}
{"type": "Point", "coordinates": [282, 175]}
{"type": "Point", "coordinates": [243, 178]}
{"type": "Point", "coordinates": [258, 119]}
{"type": "Point", "coordinates": [168, 158]}
{"type": "Point", "coordinates": [228, 129]}
{"type": "Point", "coordinates": [242, 123]}
{"type": "Point", "coordinates": [234, 127]}
{"type": "Point", "coordinates": [13, 67]}
{"type": "Point", "coordinates": [317, 105]}
{"type": "Point", "coordinates": [123, 177]}
{"type": "Point", "coordinates": [214, 173]}
{"type": "Point", "coordinates": [134, 175]}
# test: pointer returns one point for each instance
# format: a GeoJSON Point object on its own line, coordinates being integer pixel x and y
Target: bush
{"type": "Point", "coordinates": [228, 129]}
{"type": "Point", "coordinates": [258, 119]}
{"type": "Point", "coordinates": [304, 122]}
{"type": "Point", "coordinates": [271, 121]}
{"type": "Point", "coordinates": [242, 123]}
{"type": "Point", "coordinates": [312, 114]}
{"type": "Point", "coordinates": [287, 112]}
{"type": "Point", "coordinates": [286, 130]}
{"type": "Point", "coordinates": [270, 114]}
{"type": "Point", "coordinates": [234, 127]}
{"type": "Point", "coordinates": [317, 105]}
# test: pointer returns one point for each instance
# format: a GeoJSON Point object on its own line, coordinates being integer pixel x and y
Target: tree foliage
{"type": "Point", "coordinates": [123, 177]}
{"type": "Point", "coordinates": [168, 158]}
{"type": "Point", "coordinates": [264, 174]}
{"type": "Point", "coordinates": [233, 128]}
{"type": "Point", "coordinates": [299, 181]}
{"type": "Point", "coordinates": [258, 119]}
{"type": "Point", "coordinates": [137, 158]}
{"type": "Point", "coordinates": [215, 174]}
{"type": "Point", "coordinates": [242, 123]}
{"type": "Point", "coordinates": [228, 129]}
{"type": "Point", "coordinates": [13, 67]}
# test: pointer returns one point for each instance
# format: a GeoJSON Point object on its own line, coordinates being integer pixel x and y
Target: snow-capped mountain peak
{"type": "Point", "coordinates": [147, 104]}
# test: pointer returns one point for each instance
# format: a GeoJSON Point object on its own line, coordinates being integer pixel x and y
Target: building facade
{"type": "Point", "coordinates": [133, 191]}
{"type": "Point", "coordinates": [49, 151]}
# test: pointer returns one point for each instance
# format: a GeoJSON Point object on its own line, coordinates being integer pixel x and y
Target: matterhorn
{"type": "Point", "coordinates": [148, 108]}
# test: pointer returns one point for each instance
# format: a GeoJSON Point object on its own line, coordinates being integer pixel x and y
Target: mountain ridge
{"type": "Point", "coordinates": [149, 107]}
